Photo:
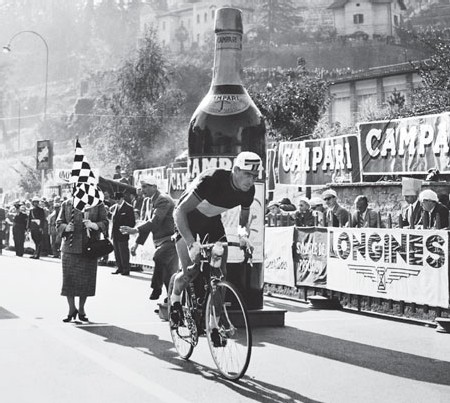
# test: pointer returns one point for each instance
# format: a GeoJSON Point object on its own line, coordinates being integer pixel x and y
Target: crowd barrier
{"type": "Point", "coordinates": [394, 264]}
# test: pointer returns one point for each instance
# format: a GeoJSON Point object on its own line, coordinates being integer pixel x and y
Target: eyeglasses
{"type": "Point", "coordinates": [327, 198]}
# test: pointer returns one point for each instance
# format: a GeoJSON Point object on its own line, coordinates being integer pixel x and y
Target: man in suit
{"type": "Point", "coordinates": [363, 216]}
{"type": "Point", "coordinates": [157, 213]}
{"type": "Point", "coordinates": [435, 214]}
{"type": "Point", "coordinates": [411, 215]}
{"type": "Point", "coordinates": [121, 214]}
{"type": "Point", "coordinates": [36, 223]}
{"type": "Point", "coordinates": [337, 216]}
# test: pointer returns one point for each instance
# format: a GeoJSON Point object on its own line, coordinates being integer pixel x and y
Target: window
{"type": "Point", "coordinates": [198, 18]}
{"type": "Point", "coordinates": [212, 14]}
{"type": "Point", "coordinates": [198, 38]}
{"type": "Point", "coordinates": [396, 20]}
{"type": "Point", "coordinates": [358, 18]}
{"type": "Point", "coordinates": [206, 17]}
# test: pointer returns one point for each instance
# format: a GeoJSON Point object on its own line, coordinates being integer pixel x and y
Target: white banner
{"type": "Point", "coordinates": [278, 262]}
{"type": "Point", "coordinates": [399, 264]}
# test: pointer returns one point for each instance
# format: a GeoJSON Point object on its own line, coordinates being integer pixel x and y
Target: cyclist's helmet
{"type": "Point", "coordinates": [248, 161]}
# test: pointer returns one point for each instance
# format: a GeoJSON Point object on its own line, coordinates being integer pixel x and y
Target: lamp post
{"type": "Point", "coordinates": [7, 49]}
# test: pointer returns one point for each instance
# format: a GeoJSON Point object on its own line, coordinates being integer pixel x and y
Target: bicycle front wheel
{"type": "Point", "coordinates": [182, 336]}
{"type": "Point", "coordinates": [228, 330]}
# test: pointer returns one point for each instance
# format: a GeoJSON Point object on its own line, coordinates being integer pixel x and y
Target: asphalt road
{"type": "Point", "coordinates": [125, 354]}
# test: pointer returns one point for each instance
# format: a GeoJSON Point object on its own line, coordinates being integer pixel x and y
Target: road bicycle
{"type": "Point", "coordinates": [214, 307]}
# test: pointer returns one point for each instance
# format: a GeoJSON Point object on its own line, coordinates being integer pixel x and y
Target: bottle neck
{"type": "Point", "coordinates": [227, 59]}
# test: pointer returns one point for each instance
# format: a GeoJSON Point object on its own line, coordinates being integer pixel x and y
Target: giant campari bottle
{"type": "Point", "coordinates": [225, 123]}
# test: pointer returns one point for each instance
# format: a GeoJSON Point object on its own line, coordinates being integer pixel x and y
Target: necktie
{"type": "Point", "coordinates": [360, 220]}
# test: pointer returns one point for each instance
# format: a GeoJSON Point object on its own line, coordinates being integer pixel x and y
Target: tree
{"type": "Point", "coordinates": [135, 105]}
{"type": "Point", "coordinates": [278, 19]}
{"type": "Point", "coordinates": [434, 95]}
{"type": "Point", "coordinates": [29, 180]}
{"type": "Point", "coordinates": [292, 103]}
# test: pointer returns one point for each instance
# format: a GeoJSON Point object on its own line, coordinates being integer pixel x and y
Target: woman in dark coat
{"type": "Point", "coordinates": [79, 271]}
{"type": "Point", "coordinates": [19, 228]}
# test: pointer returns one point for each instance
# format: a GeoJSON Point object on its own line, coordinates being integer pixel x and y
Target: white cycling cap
{"type": "Point", "coordinates": [316, 201]}
{"type": "Point", "coordinates": [428, 194]}
{"type": "Point", "coordinates": [149, 180]}
{"type": "Point", "coordinates": [248, 161]}
{"type": "Point", "coordinates": [328, 193]}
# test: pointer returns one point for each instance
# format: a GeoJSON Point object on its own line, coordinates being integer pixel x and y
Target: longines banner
{"type": "Point", "coordinates": [278, 263]}
{"type": "Point", "coordinates": [399, 264]}
{"type": "Point", "coordinates": [402, 146]}
{"type": "Point", "coordinates": [318, 162]}
{"type": "Point", "coordinates": [310, 256]}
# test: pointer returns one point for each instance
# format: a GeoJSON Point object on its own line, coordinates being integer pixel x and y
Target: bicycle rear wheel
{"type": "Point", "coordinates": [182, 336]}
{"type": "Point", "coordinates": [231, 343]}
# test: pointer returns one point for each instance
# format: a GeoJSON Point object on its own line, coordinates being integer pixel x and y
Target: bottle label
{"type": "Point", "coordinates": [229, 41]}
{"type": "Point", "coordinates": [225, 104]}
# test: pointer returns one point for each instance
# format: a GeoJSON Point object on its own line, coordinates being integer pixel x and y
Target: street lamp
{"type": "Point", "coordinates": [7, 49]}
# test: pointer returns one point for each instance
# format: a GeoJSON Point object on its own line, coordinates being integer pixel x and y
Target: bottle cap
{"type": "Point", "coordinates": [228, 19]}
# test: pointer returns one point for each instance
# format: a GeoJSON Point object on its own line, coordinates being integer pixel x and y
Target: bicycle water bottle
{"type": "Point", "coordinates": [225, 123]}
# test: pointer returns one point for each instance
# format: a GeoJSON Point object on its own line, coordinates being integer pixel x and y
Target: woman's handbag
{"type": "Point", "coordinates": [96, 248]}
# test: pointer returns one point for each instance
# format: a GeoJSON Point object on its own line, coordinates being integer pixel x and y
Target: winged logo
{"type": "Point", "coordinates": [383, 276]}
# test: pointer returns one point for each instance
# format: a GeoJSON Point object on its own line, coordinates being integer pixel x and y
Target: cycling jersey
{"type": "Point", "coordinates": [216, 193]}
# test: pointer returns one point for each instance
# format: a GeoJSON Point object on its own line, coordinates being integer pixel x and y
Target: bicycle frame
{"type": "Point", "coordinates": [195, 316]}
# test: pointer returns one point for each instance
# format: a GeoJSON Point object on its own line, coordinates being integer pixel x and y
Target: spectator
{"type": "Point", "coordinates": [411, 215]}
{"type": "Point", "coordinates": [303, 216]}
{"type": "Point", "coordinates": [273, 214]}
{"type": "Point", "coordinates": [55, 238]}
{"type": "Point", "coordinates": [137, 203]}
{"type": "Point", "coordinates": [159, 220]}
{"type": "Point", "coordinates": [435, 214]}
{"type": "Point", "coordinates": [123, 177]}
{"type": "Point", "coordinates": [336, 215]}
{"type": "Point", "coordinates": [363, 217]}
{"type": "Point", "coordinates": [2, 226]}
{"type": "Point", "coordinates": [318, 211]}
{"type": "Point", "coordinates": [117, 174]}
{"type": "Point", "coordinates": [36, 224]}
{"type": "Point", "coordinates": [122, 214]}
{"type": "Point", "coordinates": [19, 229]}
{"type": "Point", "coordinates": [79, 270]}
{"type": "Point", "coordinates": [286, 205]}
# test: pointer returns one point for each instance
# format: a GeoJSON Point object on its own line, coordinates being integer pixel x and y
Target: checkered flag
{"type": "Point", "coordinates": [86, 196]}
{"type": "Point", "coordinates": [86, 193]}
{"type": "Point", "coordinates": [81, 170]}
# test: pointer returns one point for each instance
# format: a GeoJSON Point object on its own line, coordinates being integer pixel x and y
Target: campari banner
{"type": "Point", "coordinates": [318, 162]}
{"type": "Point", "coordinates": [402, 146]}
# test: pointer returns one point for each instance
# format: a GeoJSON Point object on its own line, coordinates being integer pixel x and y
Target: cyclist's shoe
{"type": "Point", "coordinates": [217, 339]}
{"type": "Point", "coordinates": [176, 314]}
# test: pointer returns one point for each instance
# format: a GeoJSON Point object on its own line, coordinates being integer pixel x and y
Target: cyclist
{"type": "Point", "coordinates": [198, 214]}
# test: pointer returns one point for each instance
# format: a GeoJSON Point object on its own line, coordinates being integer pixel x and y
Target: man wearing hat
{"type": "Point", "coordinates": [318, 211]}
{"type": "Point", "coordinates": [435, 214]}
{"type": "Point", "coordinates": [122, 213]}
{"type": "Point", "coordinates": [36, 223]}
{"type": "Point", "coordinates": [336, 215]}
{"type": "Point", "coordinates": [411, 216]}
{"type": "Point", "coordinates": [198, 214]}
{"type": "Point", "coordinates": [157, 212]}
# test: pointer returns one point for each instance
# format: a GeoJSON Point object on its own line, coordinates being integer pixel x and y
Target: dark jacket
{"type": "Point", "coordinates": [122, 216]}
{"type": "Point", "coordinates": [96, 214]}
{"type": "Point", "coordinates": [429, 219]}
{"type": "Point", "coordinates": [158, 216]}
{"type": "Point", "coordinates": [305, 219]}
{"type": "Point", "coordinates": [37, 213]}
{"type": "Point", "coordinates": [370, 220]}
{"type": "Point", "coordinates": [412, 214]}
